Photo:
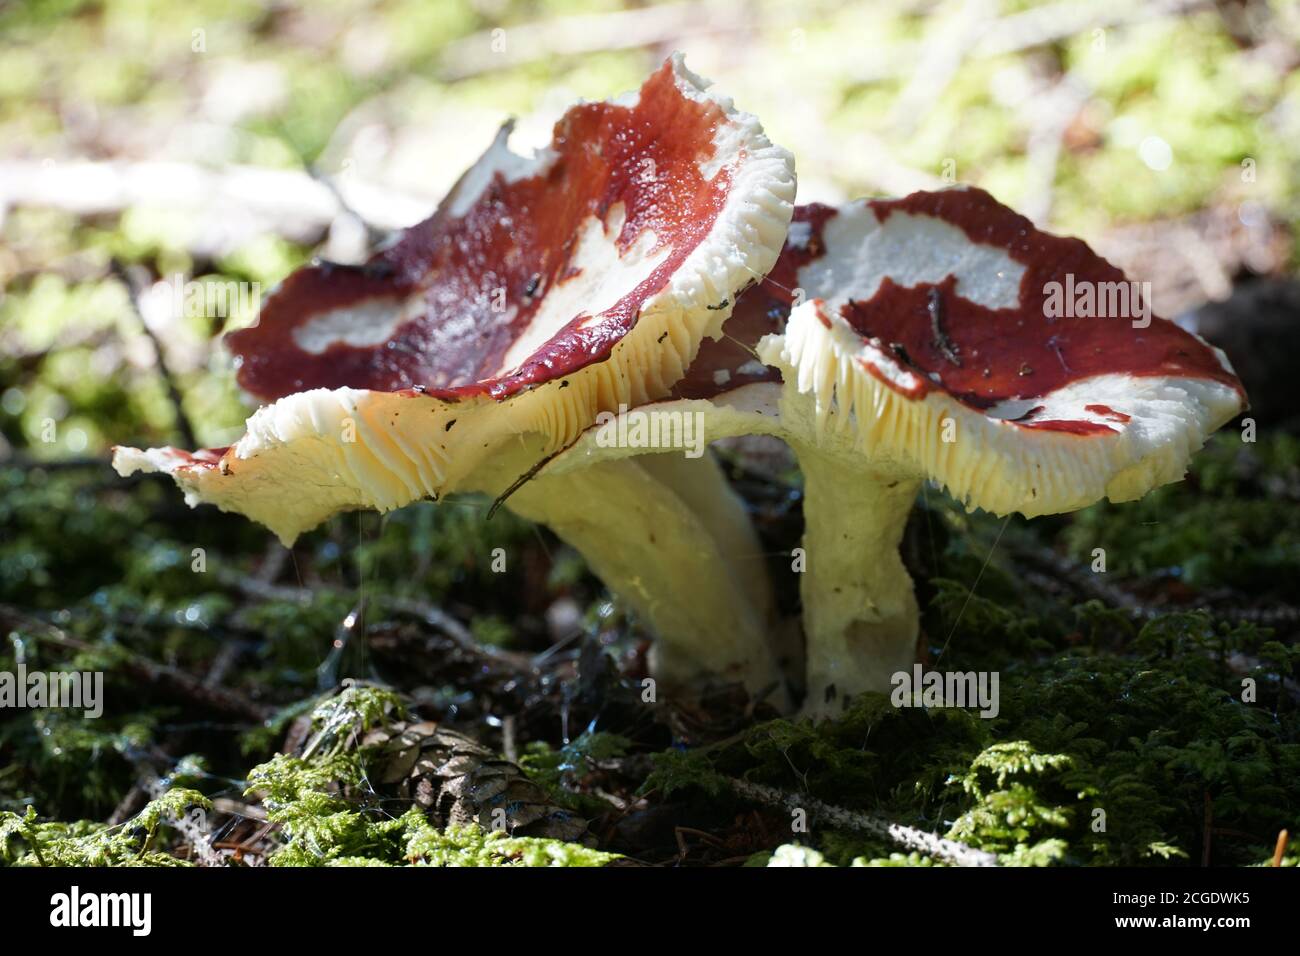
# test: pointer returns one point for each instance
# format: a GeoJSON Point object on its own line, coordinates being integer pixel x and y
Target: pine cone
{"type": "Point", "coordinates": [457, 780]}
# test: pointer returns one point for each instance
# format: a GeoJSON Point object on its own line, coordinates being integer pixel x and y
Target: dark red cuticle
{"type": "Point", "coordinates": [761, 309]}
{"type": "Point", "coordinates": [1108, 412]}
{"type": "Point", "coordinates": [1021, 352]}
{"type": "Point", "coordinates": [518, 238]}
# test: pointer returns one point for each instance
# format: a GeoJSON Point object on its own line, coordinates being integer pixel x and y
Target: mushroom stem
{"type": "Point", "coordinates": [669, 536]}
{"type": "Point", "coordinates": [705, 490]}
{"type": "Point", "coordinates": [860, 614]}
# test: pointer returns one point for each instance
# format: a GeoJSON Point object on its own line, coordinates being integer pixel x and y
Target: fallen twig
{"type": "Point", "coordinates": [238, 808]}
{"type": "Point", "coordinates": [168, 679]}
{"type": "Point", "coordinates": [129, 805]}
{"type": "Point", "coordinates": [430, 613]}
{"type": "Point", "coordinates": [1039, 26]}
{"type": "Point", "coordinates": [1087, 584]}
{"type": "Point", "coordinates": [285, 202]}
{"type": "Point", "coordinates": [931, 844]}
{"type": "Point", "coordinates": [183, 424]}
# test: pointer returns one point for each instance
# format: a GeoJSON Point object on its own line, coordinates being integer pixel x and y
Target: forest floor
{"type": "Point", "coordinates": [1149, 714]}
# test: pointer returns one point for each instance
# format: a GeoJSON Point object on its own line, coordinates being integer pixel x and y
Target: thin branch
{"type": "Point", "coordinates": [943, 51]}
{"type": "Point", "coordinates": [1279, 851]}
{"type": "Point", "coordinates": [430, 613]}
{"type": "Point", "coordinates": [238, 808]}
{"type": "Point", "coordinates": [1036, 27]}
{"type": "Point", "coordinates": [519, 482]}
{"type": "Point", "coordinates": [922, 841]}
{"type": "Point", "coordinates": [183, 424]}
{"type": "Point", "coordinates": [171, 680]}
{"type": "Point", "coordinates": [285, 202]}
{"type": "Point", "coordinates": [1051, 112]}
{"type": "Point", "coordinates": [1087, 584]}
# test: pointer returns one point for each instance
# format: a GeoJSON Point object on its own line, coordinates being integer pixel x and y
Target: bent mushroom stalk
{"type": "Point", "coordinates": [542, 292]}
{"type": "Point", "coordinates": [935, 344]}
{"type": "Point", "coordinates": [670, 536]}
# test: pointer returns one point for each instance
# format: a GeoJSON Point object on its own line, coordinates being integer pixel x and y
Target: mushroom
{"type": "Point", "coordinates": [936, 337]}
{"type": "Point", "coordinates": [932, 337]}
{"type": "Point", "coordinates": [542, 292]}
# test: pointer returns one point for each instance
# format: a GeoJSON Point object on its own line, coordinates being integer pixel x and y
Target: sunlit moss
{"type": "Point", "coordinates": [26, 840]}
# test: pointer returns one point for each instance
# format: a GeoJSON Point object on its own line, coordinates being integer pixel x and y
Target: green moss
{"type": "Point", "coordinates": [472, 846]}
{"type": "Point", "coordinates": [1233, 523]}
{"type": "Point", "coordinates": [1093, 759]}
{"type": "Point", "coordinates": [27, 841]}
{"type": "Point", "coordinates": [560, 770]}
{"type": "Point", "coordinates": [329, 816]}
{"type": "Point", "coordinates": [792, 854]}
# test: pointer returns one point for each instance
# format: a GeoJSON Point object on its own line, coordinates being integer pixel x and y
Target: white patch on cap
{"type": "Point", "coordinates": [1119, 392]}
{"type": "Point", "coordinates": [363, 325]}
{"type": "Point", "coordinates": [499, 158]}
{"type": "Point", "coordinates": [1153, 403]}
{"type": "Point", "coordinates": [911, 250]}
{"type": "Point", "coordinates": [1013, 408]}
{"type": "Point", "coordinates": [606, 277]}
{"type": "Point", "coordinates": [799, 236]}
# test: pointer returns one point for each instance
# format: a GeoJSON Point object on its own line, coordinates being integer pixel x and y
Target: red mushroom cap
{"type": "Point", "coordinates": [945, 329]}
{"type": "Point", "coordinates": [541, 292]}
{"type": "Point", "coordinates": [532, 269]}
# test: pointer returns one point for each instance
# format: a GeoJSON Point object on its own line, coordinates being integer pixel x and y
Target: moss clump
{"type": "Point", "coordinates": [793, 854]}
{"type": "Point", "coordinates": [1008, 812]}
{"type": "Point", "coordinates": [560, 770]}
{"type": "Point", "coordinates": [1093, 759]}
{"type": "Point", "coordinates": [473, 846]}
{"type": "Point", "coordinates": [1234, 523]}
{"type": "Point", "coordinates": [27, 841]}
{"type": "Point", "coordinates": [323, 828]}
{"type": "Point", "coordinates": [330, 815]}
